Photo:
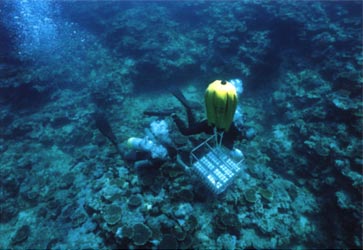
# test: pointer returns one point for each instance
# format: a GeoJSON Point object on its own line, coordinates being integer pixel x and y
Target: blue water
{"type": "Point", "coordinates": [78, 79]}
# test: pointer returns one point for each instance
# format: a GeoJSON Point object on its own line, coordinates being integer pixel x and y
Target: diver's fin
{"type": "Point", "coordinates": [161, 113]}
{"type": "Point", "coordinates": [187, 104]}
{"type": "Point", "coordinates": [104, 127]}
{"type": "Point", "coordinates": [179, 95]}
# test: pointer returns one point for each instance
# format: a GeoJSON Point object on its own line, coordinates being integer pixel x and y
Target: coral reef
{"type": "Point", "coordinates": [141, 235]}
{"type": "Point", "coordinates": [64, 185]}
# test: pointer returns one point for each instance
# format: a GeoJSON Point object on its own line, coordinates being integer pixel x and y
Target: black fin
{"type": "Point", "coordinates": [162, 113]}
{"type": "Point", "coordinates": [179, 95]}
{"type": "Point", "coordinates": [104, 127]}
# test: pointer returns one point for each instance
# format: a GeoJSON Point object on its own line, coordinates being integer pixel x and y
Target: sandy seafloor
{"type": "Point", "coordinates": [65, 186]}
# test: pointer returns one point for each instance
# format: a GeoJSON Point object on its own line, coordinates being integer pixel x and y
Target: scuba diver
{"type": "Point", "coordinates": [215, 166]}
{"type": "Point", "coordinates": [221, 104]}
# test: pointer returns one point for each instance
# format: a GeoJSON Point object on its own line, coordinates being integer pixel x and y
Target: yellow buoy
{"type": "Point", "coordinates": [221, 102]}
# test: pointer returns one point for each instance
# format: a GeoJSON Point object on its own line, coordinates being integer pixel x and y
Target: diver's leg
{"type": "Point", "coordinates": [193, 129]}
{"type": "Point", "coordinates": [180, 124]}
{"type": "Point", "coordinates": [190, 115]}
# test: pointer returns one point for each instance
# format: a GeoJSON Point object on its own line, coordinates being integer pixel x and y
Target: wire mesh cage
{"type": "Point", "coordinates": [215, 165]}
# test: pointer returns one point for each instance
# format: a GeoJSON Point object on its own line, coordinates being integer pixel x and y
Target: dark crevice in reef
{"type": "Point", "coordinates": [23, 98]}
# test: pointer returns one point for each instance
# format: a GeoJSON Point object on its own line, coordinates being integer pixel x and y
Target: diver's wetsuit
{"type": "Point", "coordinates": [145, 158]}
{"type": "Point", "coordinates": [202, 127]}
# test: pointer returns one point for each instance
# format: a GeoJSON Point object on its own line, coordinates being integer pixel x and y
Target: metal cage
{"type": "Point", "coordinates": [215, 164]}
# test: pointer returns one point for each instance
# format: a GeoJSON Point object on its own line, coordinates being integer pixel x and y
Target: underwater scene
{"type": "Point", "coordinates": [181, 124]}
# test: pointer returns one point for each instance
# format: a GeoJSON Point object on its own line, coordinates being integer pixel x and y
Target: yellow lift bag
{"type": "Point", "coordinates": [221, 102]}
